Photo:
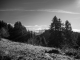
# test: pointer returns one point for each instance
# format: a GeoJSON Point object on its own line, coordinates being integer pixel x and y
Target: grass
{"type": "Point", "coordinates": [21, 50]}
{"type": "Point", "coordinates": [18, 51]}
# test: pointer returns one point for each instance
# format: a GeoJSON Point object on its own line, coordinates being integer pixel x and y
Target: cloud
{"type": "Point", "coordinates": [59, 11]}
{"type": "Point", "coordinates": [17, 10]}
{"type": "Point", "coordinates": [37, 27]}
{"type": "Point", "coordinates": [68, 12]}
{"type": "Point", "coordinates": [76, 30]}
{"type": "Point", "coordinates": [43, 10]}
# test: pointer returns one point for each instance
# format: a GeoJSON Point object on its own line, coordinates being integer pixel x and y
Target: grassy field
{"type": "Point", "coordinates": [22, 51]}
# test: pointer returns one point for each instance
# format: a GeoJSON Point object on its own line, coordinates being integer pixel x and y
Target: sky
{"type": "Point", "coordinates": [38, 14]}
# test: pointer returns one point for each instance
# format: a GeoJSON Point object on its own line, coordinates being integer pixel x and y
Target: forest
{"type": "Point", "coordinates": [59, 35]}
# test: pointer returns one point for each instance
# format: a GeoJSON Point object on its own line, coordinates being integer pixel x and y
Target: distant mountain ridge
{"type": "Point", "coordinates": [40, 30]}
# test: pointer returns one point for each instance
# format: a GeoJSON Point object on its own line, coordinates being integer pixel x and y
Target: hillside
{"type": "Point", "coordinates": [22, 51]}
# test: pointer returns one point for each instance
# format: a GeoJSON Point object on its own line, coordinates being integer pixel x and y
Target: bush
{"type": "Point", "coordinates": [4, 33]}
{"type": "Point", "coordinates": [53, 51]}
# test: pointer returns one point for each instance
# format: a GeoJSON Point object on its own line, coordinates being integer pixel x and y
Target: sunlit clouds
{"type": "Point", "coordinates": [43, 10]}
{"type": "Point", "coordinates": [37, 27]}
{"type": "Point", "coordinates": [76, 30]}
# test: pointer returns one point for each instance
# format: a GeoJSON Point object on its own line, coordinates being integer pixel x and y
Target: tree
{"type": "Point", "coordinates": [19, 32]}
{"type": "Point", "coordinates": [78, 39]}
{"type": "Point", "coordinates": [68, 30]}
{"type": "Point", "coordinates": [19, 28]}
{"type": "Point", "coordinates": [10, 30]}
{"type": "Point", "coordinates": [56, 24]}
{"type": "Point", "coordinates": [3, 29]}
{"type": "Point", "coordinates": [68, 33]}
{"type": "Point", "coordinates": [68, 25]}
{"type": "Point", "coordinates": [3, 24]}
{"type": "Point", "coordinates": [56, 37]}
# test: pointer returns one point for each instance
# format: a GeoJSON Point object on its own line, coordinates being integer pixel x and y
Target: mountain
{"type": "Point", "coordinates": [38, 32]}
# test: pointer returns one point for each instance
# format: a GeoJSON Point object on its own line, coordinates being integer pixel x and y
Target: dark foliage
{"type": "Point", "coordinates": [69, 54]}
{"type": "Point", "coordinates": [78, 39]}
{"type": "Point", "coordinates": [77, 57]}
{"type": "Point", "coordinates": [17, 33]}
{"type": "Point", "coordinates": [38, 40]}
{"type": "Point", "coordinates": [3, 24]}
{"type": "Point", "coordinates": [3, 29]}
{"type": "Point", "coordinates": [56, 33]}
{"type": "Point", "coordinates": [5, 57]}
{"type": "Point", "coordinates": [53, 51]}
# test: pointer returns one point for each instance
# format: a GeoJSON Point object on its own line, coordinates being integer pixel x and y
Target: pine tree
{"type": "Point", "coordinates": [19, 32]}
{"type": "Point", "coordinates": [10, 30]}
{"type": "Point", "coordinates": [56, 32]}
{"type": "Point", "coordinates": [68, 26]}
{"type": "Point", "coordinates": [3, 24]}
{"type": "Point", "coordinates": [68, 33]}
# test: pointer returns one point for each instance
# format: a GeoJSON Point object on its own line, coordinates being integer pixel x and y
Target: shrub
{"type": "Point", "coordinates": [4, 33]}
{"type": "Point", "coordinates": [53, 51]}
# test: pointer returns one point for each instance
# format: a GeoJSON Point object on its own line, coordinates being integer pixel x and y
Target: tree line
{"type": "Point", "coordinates": [17, 33]}
{"type": "Point", "coordinates": [58, 35]}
